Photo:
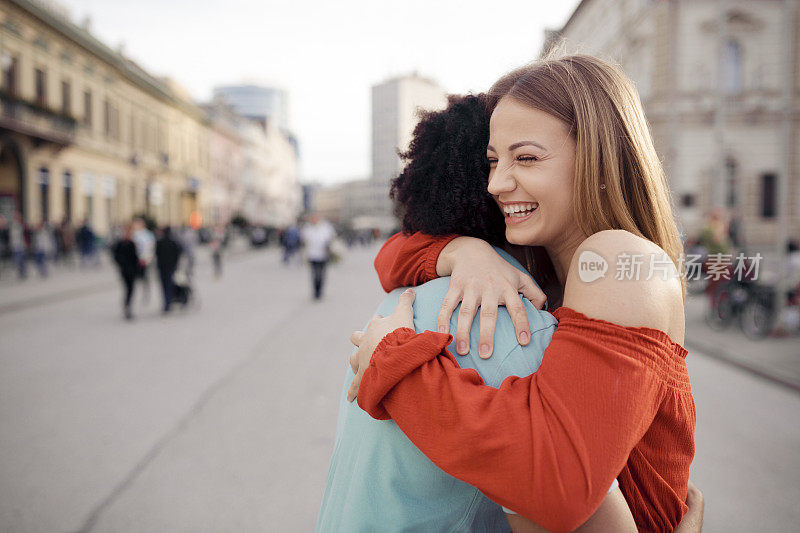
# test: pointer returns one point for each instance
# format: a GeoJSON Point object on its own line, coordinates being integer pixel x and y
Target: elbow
{"type": "Point", "coordinates": [563, 522]}
{"type": "Point", "coordinates": [566, 512]}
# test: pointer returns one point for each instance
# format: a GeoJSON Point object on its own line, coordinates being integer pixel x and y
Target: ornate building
{"type": "Point", "coordinates": [719, 82]}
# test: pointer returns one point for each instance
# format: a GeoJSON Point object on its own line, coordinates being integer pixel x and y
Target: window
{"type": "Point", "coordinates": [67, 183]}
{"type": "Point", "coordinates": [41, 88]}
{"type": "Point", "coordinates": [687, 200]}
{"type": "Point", "coordinates": [732, 69]}
{"type": "Point", "coordinates": [107, 118]}
{"type": "Point", "coordinates": [44, 197]}
{"type": "Point", "coordinates": [132, 137]}
{"type": "Point", "coordinates": [9, 74]}
{"type": "Point", "coordinates": [66, 98]}
{"type": "Point", "coordinates": [87, 108]}
{"type": "Point", "coordinates": [769, 193]}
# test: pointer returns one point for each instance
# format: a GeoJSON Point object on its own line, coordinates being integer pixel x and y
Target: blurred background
{"type": "Point", "coordinates": [231, 123]}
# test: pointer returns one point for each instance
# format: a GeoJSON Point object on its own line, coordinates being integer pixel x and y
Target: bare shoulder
{"type": "Point", "coordinates": [620, 277]}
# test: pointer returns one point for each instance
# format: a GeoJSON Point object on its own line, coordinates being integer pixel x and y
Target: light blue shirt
{"type": "Point", "coordinates": [379, 481]}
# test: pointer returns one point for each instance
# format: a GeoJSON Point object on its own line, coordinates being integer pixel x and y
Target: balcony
{"type": "Point", "coordinates": [38, 123]}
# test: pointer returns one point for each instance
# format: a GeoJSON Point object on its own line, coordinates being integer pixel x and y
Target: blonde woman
{"type": "Point", "coordinates": [574, 170]}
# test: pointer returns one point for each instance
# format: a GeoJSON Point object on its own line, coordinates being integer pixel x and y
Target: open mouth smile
{"type": "Point", "coordinates": [520, 212]}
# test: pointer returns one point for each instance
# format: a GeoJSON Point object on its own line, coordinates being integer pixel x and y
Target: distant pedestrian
{"type": "Point", "coordinates": [316, 236]}
{"type": "Point", "coordinates": [189, 240]}
{"type": "Point", "coordinates": [291, 243]}
{"type": "Point", "coordinates": [145, 243]}
{"type": "Point", "coordinates": [44, 247]}
{"type": "Point", "coordinates": [736, 231]}
{"type": "Point", "coordinates": [127, 261]}
{"type": "Point", "coordinates": [87, 245]}
{"type": "Point", "coordinates": [5, 245]}
{"type": "Point", "coordinates": [219, 239]}
{"type": "Point", "coordinates": [19, 248]}
{"type": "Point", "coordinates": [168, 254]}
{"type": "Point", "coordinates": [65, 238]}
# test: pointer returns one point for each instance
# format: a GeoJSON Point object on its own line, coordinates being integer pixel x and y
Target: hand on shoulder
{"type": "Point", "coordinates": [622, 278]}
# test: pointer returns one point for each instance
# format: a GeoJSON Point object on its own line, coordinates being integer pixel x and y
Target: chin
{"type": "Point", "coordinates": [521, 238]}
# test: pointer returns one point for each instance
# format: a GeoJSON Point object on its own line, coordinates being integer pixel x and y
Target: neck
{"type": "Point", "coordinates": [561, 256]}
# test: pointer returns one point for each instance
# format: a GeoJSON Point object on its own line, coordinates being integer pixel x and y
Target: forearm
{"type": "Point", "coordinates": [409, 259]}
{"type": "Point", "coordinates": [460, 249]}
{"type": "Point", "coordinates": [537, 425]}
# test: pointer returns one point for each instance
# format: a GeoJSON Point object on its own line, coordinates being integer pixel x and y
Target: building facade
{"type": "Point", "coordinates": [720, 89]}
{"type": "Point", "coordinates": [86, 134]}
{"type": "Point", "coordinates": [395, 112]}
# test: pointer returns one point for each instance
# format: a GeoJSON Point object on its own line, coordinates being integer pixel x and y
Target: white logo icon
{"type": "Point", "coordinates": [591, 266]}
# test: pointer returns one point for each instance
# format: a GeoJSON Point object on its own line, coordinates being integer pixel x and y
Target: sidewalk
{"type": "Point", "coordinates": [65, 282]}
{"type": "Point", "coordinates": [777, 360]}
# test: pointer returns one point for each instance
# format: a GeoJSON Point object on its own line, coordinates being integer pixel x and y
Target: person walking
{"type": "Point", "coordinates": [219, 238]}
{"type": "Point", "coordinates": [316, 236]}
{"type": "Point", "coordinates": [16, 240]}
{"type": "Point", "coordinates": [5, 248]}
{"type": "Point", "coordinates": [65, 237]}
{"type": "Point", "coordinates": [189, 240]}
{"type": "Point", "coordinates": [87, 245]}
{"type": "Point", "coordinates": [145, 243]}
{"type": "Point", "coordinates": [44, 247]}
{"type": "Point", "coordinates": [127, 261]}
{"type": "Point", "coordinates": [291, 243]}
{"type": "Point", "coordinates": [168, 254]}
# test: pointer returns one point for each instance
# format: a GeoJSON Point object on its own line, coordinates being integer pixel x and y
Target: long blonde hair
{"type": "Point", "coordinates": [614, 147]}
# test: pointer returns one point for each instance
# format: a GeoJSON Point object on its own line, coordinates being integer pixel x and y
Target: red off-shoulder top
{"type": "Point", "coordinates": [608, 402]}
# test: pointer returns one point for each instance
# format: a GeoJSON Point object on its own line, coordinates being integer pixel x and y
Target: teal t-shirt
{"type": "Point", "coordinates": [379, 481]}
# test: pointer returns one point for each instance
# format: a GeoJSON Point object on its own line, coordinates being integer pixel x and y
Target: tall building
{"type": "Point", "coordinates": [257, 102]}
{"type": "Point", "coordinates": [395, 112]}
{"type": "Point", "coordinates": [720, 89]}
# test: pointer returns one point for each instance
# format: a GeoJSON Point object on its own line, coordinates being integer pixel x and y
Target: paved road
{"type": "Point", "coordinates": [222, 419]}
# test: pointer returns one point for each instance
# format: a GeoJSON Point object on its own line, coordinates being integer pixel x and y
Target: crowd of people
{"type": "Point", "coordinates": [141, 252]}
{"type": "Point", "coordinates": [45, 245]}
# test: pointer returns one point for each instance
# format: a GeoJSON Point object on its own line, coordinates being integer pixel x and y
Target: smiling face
{"type": "Point", "coordinates": [532, 165]}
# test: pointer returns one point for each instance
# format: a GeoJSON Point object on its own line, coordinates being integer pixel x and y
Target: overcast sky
{"type": "Point", "coordinates": [327, 54]}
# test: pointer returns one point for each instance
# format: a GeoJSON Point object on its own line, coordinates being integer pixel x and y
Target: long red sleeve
{"type": "Point", "coordinates": [409, 259]}
{"type": "Point", "coordinates": [607, 402]}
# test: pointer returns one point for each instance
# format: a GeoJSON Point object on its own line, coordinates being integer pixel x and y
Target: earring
{"type": "Point", "coordinates": [603, 186]}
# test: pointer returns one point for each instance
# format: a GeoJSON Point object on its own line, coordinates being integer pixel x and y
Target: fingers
{"type": "Point", "coordinates": [518, 315]}
{"type": "Point", "coordinates": [694, 497]}
{"type": "Point", "coordinates": [405, 306]}
{"type": "Point", "coordinates": [488, 321]}
{"type": "Point", "coordinates": [451, 301]}
{"type": "Point", "coordinates": [530, 291]}
{"type": "Point", "coordinates": [354, 362]}
{"type": "Point", "coordinates": [352, 392]}
{"type": "Point", "coordinates": [356, 337]}
{"type": "Point", "coordinates": [469, 306]}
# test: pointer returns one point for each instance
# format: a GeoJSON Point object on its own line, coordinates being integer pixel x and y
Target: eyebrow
{"type": "Point", "coordinates": [519, 144]}
{"type": "Point", "coordinates": [526, 143]}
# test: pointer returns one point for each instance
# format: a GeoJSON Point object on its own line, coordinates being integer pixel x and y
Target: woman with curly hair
{"type": "Point", "coordinates": [573, 170]}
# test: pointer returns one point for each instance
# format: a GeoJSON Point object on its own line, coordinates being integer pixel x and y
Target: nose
{"type": "Point", "coordinates": [501, 179]}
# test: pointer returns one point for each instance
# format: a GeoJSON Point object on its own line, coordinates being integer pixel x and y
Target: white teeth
{"type": "Point", "coordinates": [520, 210]}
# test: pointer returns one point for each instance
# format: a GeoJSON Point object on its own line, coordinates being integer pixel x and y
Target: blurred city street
{"type": "Point", "coordinates": [222, 418]}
